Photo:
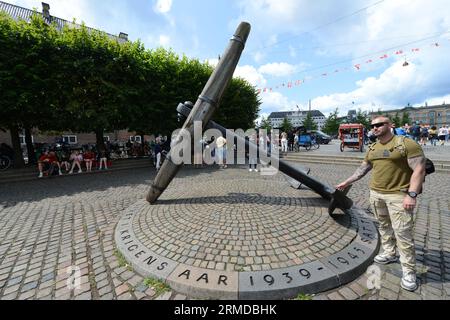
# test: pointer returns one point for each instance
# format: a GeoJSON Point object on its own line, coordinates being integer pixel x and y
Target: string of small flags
{"type": "Point", "coordinates": [357, 67]}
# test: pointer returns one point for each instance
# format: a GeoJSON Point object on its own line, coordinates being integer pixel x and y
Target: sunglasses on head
{"type": "Point", "coordinates": [378, 125]}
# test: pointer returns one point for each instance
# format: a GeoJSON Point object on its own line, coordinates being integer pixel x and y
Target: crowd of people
{"type": "Point", "coordinates": [56, 161]}
{"type": "Point", "coordinates": [425, 133]}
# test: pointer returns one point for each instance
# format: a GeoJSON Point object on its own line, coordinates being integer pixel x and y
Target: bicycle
{"type": "Point", "coordinates": [5, 162]}
{"type": "Point", "coordinates": [315, 144]}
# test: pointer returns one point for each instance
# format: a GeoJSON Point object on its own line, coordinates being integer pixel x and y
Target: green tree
{"type": "Point", "coordinates": [93, 71]}
{"type": "Point", "coordinates": [396, 120]}
{"type": "Point", "coordinates": [239, 107]}
{"type": "Point", "coordinates": [26, 83]}
{"type": "Point", "coordinates": [332, 123]}
{"type": "Point", "coordinates": [405, 119]}
{"type": "Point", "coordinates": [81, 80]}
{"type": "Point", "coordinates": [309, 122]}
{"type": "Point", "coordinates": [265, 124]}
{"type": "Point", "coordinates": [363, 118]}
{"type": "Point", "coordinates": [286, 126]}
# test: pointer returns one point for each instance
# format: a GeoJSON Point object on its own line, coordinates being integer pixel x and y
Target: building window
{"type": "Point", "coordinates": [70, 139]}
{"type": "Point", "coordinates": [135, 139]}
{"type": "Point", "coordinates": [106, 138]}
{"type": "Point", "coordinates": [432, 117]}
{"type": "Point", "coordinates": [22, 140]}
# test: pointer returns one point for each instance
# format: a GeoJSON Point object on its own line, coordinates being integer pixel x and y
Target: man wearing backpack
{"type": "Point", "coordinates": [415, 132]}
{"type": "Point", "coordinates": [398, 171]}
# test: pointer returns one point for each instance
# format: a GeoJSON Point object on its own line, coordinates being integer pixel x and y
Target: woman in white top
{"type": "Point", "coordinates": [284, 142]}
{"type": "Point", "coordinates": [76, 159]}
{"type": "Point", "coordinates": [221, 150]}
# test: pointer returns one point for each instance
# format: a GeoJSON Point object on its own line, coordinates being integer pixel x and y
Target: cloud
{"type": "Point", "coordinates": [251, 74]}
{"type": "Point", "coordinates": [275, 101]}
{"type": "Point", "coordinates": [381, 26]}
{"type": "Point", "coordinates": [82, 10]}
{"type": "Point", "coordinates": [247, 72]}
{"type": "Point", "coordinates": [213, 62]}
{"type": "Point", "coordinates": [424, 79]}
{"type": "Point", "coordinates": [386, 26]}
{"type": "Point", "coordinates": [261, 116]}
{"type": "Point", "coordinates": [163, 6]}
{"type": "Point", "coordinates": [258, 56]}
{"type": "Point", "coordinates": [112, 17]}
{"type": "Point", "coordinates": [435, 101]}
{"type": "Point", "coordinates": [164, 40]}
{"type": "Point", "coordinates": [281, 69]}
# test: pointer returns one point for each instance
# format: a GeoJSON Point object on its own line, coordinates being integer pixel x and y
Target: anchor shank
{"type": "Point", "coordinates": [205, 106]}
{"type": "Point", "coordinates": [315, 185]}
{"type": "Point", "coordinates": [338, 199]}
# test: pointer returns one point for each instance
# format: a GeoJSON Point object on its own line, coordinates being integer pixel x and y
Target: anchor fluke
{"type": "Point", "coordinates": [340, 200]}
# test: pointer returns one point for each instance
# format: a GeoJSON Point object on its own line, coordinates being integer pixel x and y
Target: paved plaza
{"type": "Point", "coordinates": [58, 234]}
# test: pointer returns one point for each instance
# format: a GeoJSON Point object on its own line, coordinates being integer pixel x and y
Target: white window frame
{"type": "Point", "coordinates": [138, 139]}
{"type": "Point", "coordinates": [68, 138]}
{"type": "Point", "coordinates": [22, 140]}
{"type": "Point", "coordinates": [131, 138]}
{"type": "Point", "coordinates": [106, 138]}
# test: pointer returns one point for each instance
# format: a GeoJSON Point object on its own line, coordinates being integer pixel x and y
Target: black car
{"type": "Point", "coordinates": [322, 138]}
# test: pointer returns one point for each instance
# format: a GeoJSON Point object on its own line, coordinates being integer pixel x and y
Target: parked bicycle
{"type": "Point", "coordinates": [314, 143]}
{"type": "Point", "coordinates": [5, 162]}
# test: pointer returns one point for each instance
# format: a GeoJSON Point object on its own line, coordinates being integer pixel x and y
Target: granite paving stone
{"type": "Point", "coordinates": [76, 220]}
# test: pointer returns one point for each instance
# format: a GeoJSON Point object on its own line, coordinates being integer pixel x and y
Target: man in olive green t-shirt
{"type": "Point", "coordinates": [398, 171]}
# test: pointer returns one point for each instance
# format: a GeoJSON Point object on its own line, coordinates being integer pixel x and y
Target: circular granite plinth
{"type": "Point", "coordinates": [245, 238]}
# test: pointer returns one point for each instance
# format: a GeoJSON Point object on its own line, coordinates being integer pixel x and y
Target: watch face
{"type": "Point", "coordinates": [412, 194]}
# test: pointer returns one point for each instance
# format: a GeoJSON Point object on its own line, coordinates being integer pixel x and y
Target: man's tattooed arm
{"type": "Point", "coordinates": [417, 164]}
{"type": "Point", "coordinates": [359, 173]}
{"type": "Point", "coordinates": [417, 161]}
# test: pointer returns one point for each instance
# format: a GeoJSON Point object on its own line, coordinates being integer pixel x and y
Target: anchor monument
{"type": "Point", "coordinates": [203, 111]}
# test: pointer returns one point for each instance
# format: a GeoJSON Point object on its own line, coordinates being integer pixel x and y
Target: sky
{"type": "Point", "coordinates": [346, 54]}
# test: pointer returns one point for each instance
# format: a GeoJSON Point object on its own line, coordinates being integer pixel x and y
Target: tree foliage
{"type": "Point", "coordinates": [82, 80]}
{"type": "Point", "coordinates": [363, 118]}
{"type": "Point", "coordinates": [396, 120]}
{"type": "Point", "coordinates": [405, 119]}
{"type": "Point", "coordinates": [309, 122]}
{"type": "Point", "coordinates": [332, 123]}
{"type": "Point", "coordinates": [265, 124]}
{"type": "Point", "coordinates": [286, 126]}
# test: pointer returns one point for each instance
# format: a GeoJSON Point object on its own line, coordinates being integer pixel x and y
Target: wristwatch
{"type": "Point", "coordinates": [412, 194]}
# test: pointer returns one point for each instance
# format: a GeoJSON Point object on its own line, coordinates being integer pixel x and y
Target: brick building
{"type": "Point", "coordinates": [437, 115]}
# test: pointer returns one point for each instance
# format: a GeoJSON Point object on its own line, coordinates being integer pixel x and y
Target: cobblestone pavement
{"type": "Point", "coordinates": [241, 222]}
{"type": "Point", "coordinates": [53, 231]}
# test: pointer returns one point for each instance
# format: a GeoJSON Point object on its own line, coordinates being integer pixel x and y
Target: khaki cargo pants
{"type": "Point", "coordinates": [396, 226]}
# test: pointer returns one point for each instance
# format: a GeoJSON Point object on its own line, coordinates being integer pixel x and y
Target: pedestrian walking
{"type": "Point", "coordinates": [221, 149]}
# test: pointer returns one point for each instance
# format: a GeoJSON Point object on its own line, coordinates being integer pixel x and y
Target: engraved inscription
{"type": "Point", "coordinates": [204, 278]}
